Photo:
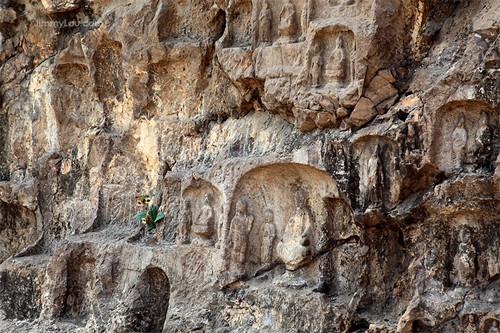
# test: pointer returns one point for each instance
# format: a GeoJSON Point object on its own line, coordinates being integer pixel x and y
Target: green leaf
{"type": "Point", "coordinates": [139, 216]}
{"type": "Point", "coordinates": [152, 212]}
{"type": "Point", "coordinates": [159, 217]}
{"type": "Point", "coordinates": [150, 227]}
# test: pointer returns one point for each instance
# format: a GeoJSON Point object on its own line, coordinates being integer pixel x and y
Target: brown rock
{"type": "Point", "coordinates": [325, 119]}
{"type": "Point", "coordinates": [304, 120]}
{"type": "Point", "coordinates": [380, 88]}
{"type": "Point", "coordinates": [60, 6]}
{"type": "Point", "coordinates": [342, 113]}
{"type": "Point", "coordinates": [363, 112]}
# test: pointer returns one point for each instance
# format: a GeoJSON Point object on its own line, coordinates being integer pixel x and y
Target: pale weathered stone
{"type": "Point", "coordinates": [59, 6]}
{"type": "Point", "coordinates": [7, 15]}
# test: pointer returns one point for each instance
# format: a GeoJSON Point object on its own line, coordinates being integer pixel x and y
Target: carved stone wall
{"type": "Point", "coordinates": [322, 165]}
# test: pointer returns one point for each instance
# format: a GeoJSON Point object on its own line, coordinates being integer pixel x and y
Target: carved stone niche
{"type": "Point", "coordinates": [240, 26]}
{"type": "Point", "coordinates": [177, 21]}
{"type": "Point", "coordinates": [80, 282]}
{"type": "Point", "coordinates": [340, 267]}
{"type": "Point", "coordinates": [286, 201]}
{"type": "Point", "coordinates": [116, 206]}
{"type": "Point", "coordinates": [18, 229]}
{"type": "Point", "coordinates": [464, 136]}
{"type": "Point", "coordinates": [332, 58]}
{"type": "Point", "coordinates": [379, 180]}
{"type": "Point", "coordinates": [464, 261]}
{"type": "Point", "coordinates": [490, 323]}
{"type": "Point", "coordinates": [282, 21]}
{"type": "Point", "coordinates": [148, 302]}
{"type": "Point", "coordinates": [201, 212]}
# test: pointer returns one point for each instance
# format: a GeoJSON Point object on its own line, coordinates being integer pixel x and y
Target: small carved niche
{"type": "Point", "coordinates": [263, 27]}
{"type": "Point", "coordinates": [201, 212]}
{"type": "Point", "coordinates": [465, 136]}
{"type": "Point", "coordinates": [177, 21]}
{"type": "Point", "coordinates": [332, 57]}
{"type": "Point", "coordinates": [109, 77]}
{"type": "Point", "coordinates": [17, 229]}
{"type": "Point", "coordinates": [149, 306]}
{"type": "Point", "coordinates": [280, 21]}
{"type": "Point", "coordinates": [241, 27]}
{"type": "Point", "coordinates": [116, 205]}
{"type": "Point", "coordinates": [80, 281]}
{"type": "Point", "coordinates": [338, 223]}
{"type": "Point", "coordinates": [377, 161]}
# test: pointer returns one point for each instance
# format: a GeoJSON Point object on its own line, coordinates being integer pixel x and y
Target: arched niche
{"type": "Point", "coordinates": [376, 159]}
{"type": "Point", "coordinates": [200, 201]}
{"type": "Point", "coordinates": [459, 136]}
{"type": "Point", "coordinates": [80, 282]}
{"type": "Point", "coordinates": [150, 298]}
{"type": "Point", "coordinates": [274, 188]}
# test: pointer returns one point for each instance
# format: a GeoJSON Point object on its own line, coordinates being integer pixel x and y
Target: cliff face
{"type": "Point", "coordinates": [323, 165]}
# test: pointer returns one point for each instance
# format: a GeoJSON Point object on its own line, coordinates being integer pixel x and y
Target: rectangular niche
{"type": "Point", "coordinates": [336, 47]}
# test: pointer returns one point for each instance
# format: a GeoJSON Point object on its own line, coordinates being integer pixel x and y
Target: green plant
{"type": "Point", "coordinates": [149, 214]}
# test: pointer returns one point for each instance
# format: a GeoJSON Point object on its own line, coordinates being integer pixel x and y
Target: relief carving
{"type": "Point", "coordinates": [464, 139]}
{"type": "Point", "coordinates": [305, 18]}
{"type": "Point", "coordinates": [295, 229]}
{"type": "Point", "coordinates": [337, 67]}
{"type": "Point", "coordinates": [375, 180]}
{"type": "Point", "coordinates": [239, 231]}
{"type": "Point", "coordinates": [483, 140]}
{"type": "Point", "coordinates": [379, 177]}
{"type": "Point", "coordinates": [316, 73]}
{"type": "Point", "coordinates": [494, 327]}
{"type": "Point", "coordinates": [265, 24]}
{"type": "Point", "coordinates": [336, 47]}
{"type": "Point", "coordinates": [459, 142]}
{"type": "Point", "coordinates": [493, 260]}
{"type": "Point", "coordinates": [288, 26]}
{"type": "Point", "coordinates": [268, 235]}
{"type": "Point", "coordinates": [204, 225]}
{"type": "Point", "coordinates": [464, 262]}
{"type": "Point", "coordinates": [184, 227]}
{"type": "Point", "coordinates": [295, 246]}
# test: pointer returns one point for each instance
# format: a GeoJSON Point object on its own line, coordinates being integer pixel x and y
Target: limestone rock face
{"type": "Point", "coordinates": [59, 6]}
{"type": "Point", "coordinates": [322, 166]}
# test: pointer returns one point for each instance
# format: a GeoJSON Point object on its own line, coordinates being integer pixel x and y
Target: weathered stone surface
{"type": "Point", "coordinates": [380, 88]}
{"type": "Point", "coordinates": [60, 6]}
{"type": "Point", "coordinates": [323, 166]}
{"type": "Point", "coordinates": [7, 15]}
{"type": "Point", "coordinates": [363, 112]}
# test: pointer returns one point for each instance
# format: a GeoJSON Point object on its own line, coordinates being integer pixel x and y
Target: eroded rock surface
{"type": "Point", "coordinates": [323, 165]}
